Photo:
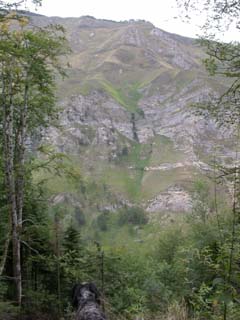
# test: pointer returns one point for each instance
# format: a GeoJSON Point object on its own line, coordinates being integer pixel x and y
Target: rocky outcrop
{"type": "Point", "coordinates": [174, 199]}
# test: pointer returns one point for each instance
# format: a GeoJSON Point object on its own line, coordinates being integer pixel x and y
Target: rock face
{"type": "Point", "coordinates": [126, 114]}
{"type": "Point", "coordinates": [174, 200]}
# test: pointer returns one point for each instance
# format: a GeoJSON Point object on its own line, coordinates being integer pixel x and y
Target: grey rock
{"type": "Point", "coordinates": [174, 199]}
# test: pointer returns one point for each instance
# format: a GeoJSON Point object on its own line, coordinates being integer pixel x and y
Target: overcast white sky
{"type": "Point", "coordinates": [162, 13]}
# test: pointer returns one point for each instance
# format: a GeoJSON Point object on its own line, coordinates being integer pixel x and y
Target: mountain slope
{"type": "Point", "coordinates": [126, 119]}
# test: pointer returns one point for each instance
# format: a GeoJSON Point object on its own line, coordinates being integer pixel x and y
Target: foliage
{"type": "Point", "coordinates": [187, 270]}
{"type": "Point", "coordinates": [219, 15]}
{"type": "Point", "coordinates": [28, 59]}
{"type": "Point", "coordinates": [219, 251]}
{"type": "Point", "coordinates": [201, 201]}
{"type": "Point", "coordinates": [80, 217]}
{"type": "Point", "coordinates": [102, 221]}
{"type": "Point", "coordinates": [132, 215]}
{"type": "Point", "coordinates": [223, 58]}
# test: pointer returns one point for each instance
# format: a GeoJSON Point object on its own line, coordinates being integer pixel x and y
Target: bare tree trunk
{"type": "Point", "coordinates": [57, 230]}
{"type": "Point", "coordinates": [8, 134]}
{"type": "Point", "coordinates": [5, 252]}
{"type": "Point", "coordinates": [7, 242]}
{"type": "Point", "coordinates": [20, 157]}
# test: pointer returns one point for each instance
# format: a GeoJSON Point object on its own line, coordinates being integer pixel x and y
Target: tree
{"type": "Point", "coordinates": [219, 14]}
{"type": "Point", "coordinates": [28, 58]}
{"type": "Point", "coordinates": [224, 60]}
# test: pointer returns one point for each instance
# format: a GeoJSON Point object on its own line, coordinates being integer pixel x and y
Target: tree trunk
{"type": "Point", "coordinates": [57, 230]}
{"type": "Point", "coordinates": [8, 134]}
{"type": "Point", "coordinates": [20, 156]}
{"type": "Point", "coordinates": [5, 252]}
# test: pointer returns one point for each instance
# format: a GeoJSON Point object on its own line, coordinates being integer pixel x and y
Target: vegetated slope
{"type": "Point", "coordinates": [126, 116]}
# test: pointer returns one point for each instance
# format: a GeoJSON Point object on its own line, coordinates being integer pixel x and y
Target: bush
{"type": "Point", "coordinates": [80, 217]}
{"type": "Point", "coordinates": [102, 221]}
{"type": "Point", "coordinates": [132, 215]}
{"type": "Point", "coordinates": [8, 311]}
{"type": "Point", "coordinates": [40, 303]}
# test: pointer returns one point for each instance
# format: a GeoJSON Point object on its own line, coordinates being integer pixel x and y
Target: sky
{"type": "Point", "coordinates": [163, 14]}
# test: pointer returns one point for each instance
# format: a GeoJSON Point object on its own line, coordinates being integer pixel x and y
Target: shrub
{"type": "Point", "coordinates": [102, 221]}
{"type": "Point", "coordinates": [132, 215]}
{"type": "Point", "coordinates": [80, 217]}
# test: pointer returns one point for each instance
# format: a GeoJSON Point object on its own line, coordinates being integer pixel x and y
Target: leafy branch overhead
{"type": "Point", "coordinates": [223, 58]}
{"type": "Point", "coordinates": [219, 15]}
{"type": "Point", "coordinates": [223, 61]}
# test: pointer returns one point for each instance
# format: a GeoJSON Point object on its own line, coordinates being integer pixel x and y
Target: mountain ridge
{"type": "Point", "coordinates": [107, 21]}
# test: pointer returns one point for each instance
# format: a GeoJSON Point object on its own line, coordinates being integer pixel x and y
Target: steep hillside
{"type": "Point", "coordinates": [126, 116]}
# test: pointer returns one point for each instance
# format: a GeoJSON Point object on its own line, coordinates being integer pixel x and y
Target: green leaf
{"type": "Point", "coordinates": [217, 281]}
